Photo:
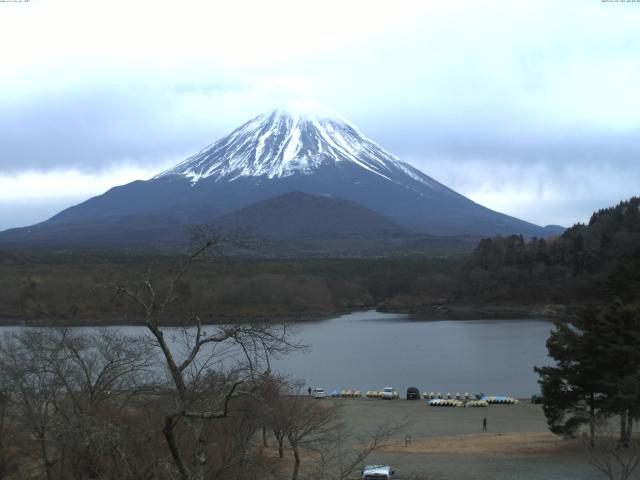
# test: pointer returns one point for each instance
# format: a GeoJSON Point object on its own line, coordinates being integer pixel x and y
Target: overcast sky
{"type": "Point", "coordinates": [531, 108]}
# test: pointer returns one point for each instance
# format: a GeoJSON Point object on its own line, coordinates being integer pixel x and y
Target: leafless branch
{"type": "Point", "coordinates": [611, 458]}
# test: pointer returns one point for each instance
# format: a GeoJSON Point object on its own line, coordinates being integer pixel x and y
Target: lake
{"type": "Point", "coordinates": [371, 350]}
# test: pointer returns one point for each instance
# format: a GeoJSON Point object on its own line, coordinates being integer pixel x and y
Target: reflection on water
{"type": "Point", "coordinates": [370, 350]}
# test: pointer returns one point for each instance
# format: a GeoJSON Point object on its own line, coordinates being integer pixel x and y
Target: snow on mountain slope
{"type": "Point", "coordinates": [283, 143]}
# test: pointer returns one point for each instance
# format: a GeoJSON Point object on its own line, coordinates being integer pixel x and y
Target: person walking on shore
{"type": "Point", "coordinates": [484, 424]}
{"type": "Point", "coordinates": [309, 390]}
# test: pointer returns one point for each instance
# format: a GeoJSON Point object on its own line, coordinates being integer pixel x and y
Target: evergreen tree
{"type": "Point", "coordinates": [619, 327]}
{"type": "Point", "coordinates": [597, 370]}
{"type": "Point", "coordinates": [573, 390]}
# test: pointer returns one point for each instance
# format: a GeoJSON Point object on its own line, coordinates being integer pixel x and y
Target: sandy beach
{"type": "Point", "coordinates": [448, 442]}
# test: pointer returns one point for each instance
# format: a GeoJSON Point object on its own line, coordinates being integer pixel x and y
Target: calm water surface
{"type": "Point", "coordinates": [370, 350]}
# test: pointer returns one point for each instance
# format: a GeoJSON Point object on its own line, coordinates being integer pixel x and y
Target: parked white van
{"type": "Point", "coordinates": [377, 472]}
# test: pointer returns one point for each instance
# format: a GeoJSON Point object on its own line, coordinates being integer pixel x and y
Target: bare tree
{"type": "Point", "coordinates": [342, 453]}
{"type": "Point", "coordinates": [32, 391]}
{"type": "Point", "coordinates": [106, 404]}
{"type": "Point", "coordinates": [100, 373]}
{"type": "Point", "coordinates": [5, 464]}
{"type": "Point", "coordinates": [98, 368]}
{"type": "Point", "coordinates": [306, 423]}
{"type": "Point", "coordinates": [271, 410]}
{"type": "Point", "coordinates": [613, 458]}
{"type": "Point", "coordinates": [65, 388]}
{"type": "Point", "coordinates": [274, 408]}
{"type": "Point", "coordinates": [315, 428]}
{"type": "Point", "coordinates": [207, 366]}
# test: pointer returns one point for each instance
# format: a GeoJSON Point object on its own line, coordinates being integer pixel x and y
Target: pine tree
{"type": "Point", "coordinates": [619, 327]}
{"type": "Point", "coordinates": [597, 370]}
{"type": "Point", "coordinates": [572, 390]}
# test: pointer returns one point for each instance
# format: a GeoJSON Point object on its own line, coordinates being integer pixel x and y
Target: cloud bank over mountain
{"type": "Point", "coordinates": [530, 109]}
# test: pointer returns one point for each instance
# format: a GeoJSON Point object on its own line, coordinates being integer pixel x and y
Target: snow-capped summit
{"type": "Point", "coordinates": [287, 142]}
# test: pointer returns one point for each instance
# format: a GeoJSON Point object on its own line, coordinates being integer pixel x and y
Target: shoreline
{"type": "Point", "coordinates": [430, 312]}
{"type": "Point", "coordinates": [461, 311]}
{"type": "Point", "coordinates": [137, 321]}
{"type": "Point", "coordinates": [425, 312]}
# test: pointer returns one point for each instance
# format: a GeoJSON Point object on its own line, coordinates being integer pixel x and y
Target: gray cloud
{"type": "Point", "coordinates": [22, 213]}
{"type": "Point", "coordinates": [93, 129]}
{"type": "Point", "coordinates": [529, 107]}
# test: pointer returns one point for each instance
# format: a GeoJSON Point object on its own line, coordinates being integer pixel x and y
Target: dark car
{"type": "Point", "coordinates": [536, 399]}
{"type": "Point", "coordinates": [413, 393]}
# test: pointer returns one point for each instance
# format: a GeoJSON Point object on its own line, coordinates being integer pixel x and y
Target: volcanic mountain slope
{"type": "Point", "coordinates": [138, 232]}
{"type": "Point", "coordinates": [298, 214]}
{"type": "Point", "coordinates": [283, 152]}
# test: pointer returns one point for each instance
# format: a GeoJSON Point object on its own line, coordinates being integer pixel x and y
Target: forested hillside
{"type": "Point", "coordinates": [587, 262]}
{"type": "Point", "coordinates": [502, 277]}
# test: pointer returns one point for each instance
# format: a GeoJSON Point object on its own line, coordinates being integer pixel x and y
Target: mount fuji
{"type": "Point", "coordinates": [273, 155]}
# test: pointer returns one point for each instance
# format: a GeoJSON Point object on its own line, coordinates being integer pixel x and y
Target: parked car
{"type": "Point", "coordinates": [413, 393]}
{"type": "Point", "coordinates": [318, 393]}
{"type": "Point", "coordinates": [388, 393]}
{"type": "Point", "coordinates": [536, 399]}
{"type": "Point", "coordinates": [377, 472]}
